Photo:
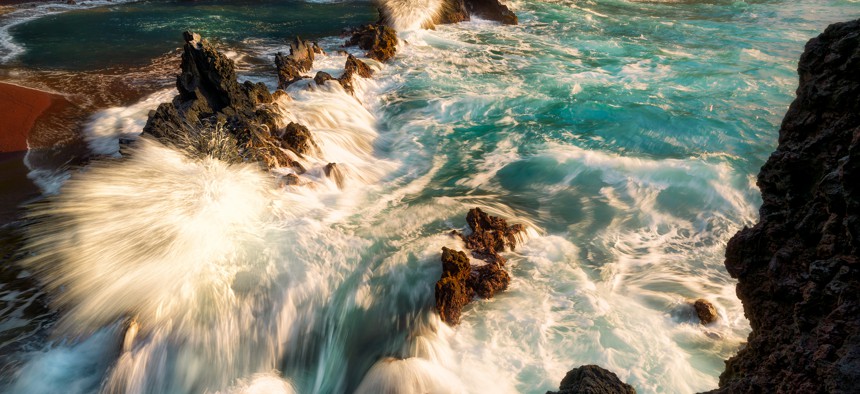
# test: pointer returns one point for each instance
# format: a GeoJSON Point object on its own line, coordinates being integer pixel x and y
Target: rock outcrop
{"type": "Point", "coordinates": [798, 268]}
{"type": "Point", "coordinates": [591, 379]}
{"type": "Point", "coordinates": [490, 235]}
{"type": "Point", "coordinates": [452, 291]}
{"type": "Point", "coordinates": [461, 281]}
{"type": "Point", "coordinates": [379, 40]}
{"type": "Point", "coordinates": [291, 68]}
{"type": "Point", "coordinates": [215, 115]}
{"type": "Point", "coordinates": [454, 11]}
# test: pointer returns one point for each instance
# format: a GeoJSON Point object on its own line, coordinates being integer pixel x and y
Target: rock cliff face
{"type": "Point", "coordinates": [798, 269]}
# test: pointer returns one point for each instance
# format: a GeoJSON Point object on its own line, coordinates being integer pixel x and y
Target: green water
{"type": "Point", "coordinates": [626, 135]}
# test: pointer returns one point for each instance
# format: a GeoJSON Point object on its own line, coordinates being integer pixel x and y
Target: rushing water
{"type": "Point", "coordinates": [625, 135]}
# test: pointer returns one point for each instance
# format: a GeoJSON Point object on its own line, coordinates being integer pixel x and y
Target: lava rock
{"type": "Point", "coordinates": [452, 291]}
{"type": "Point", "coordinates": [798, 268]}
{"type": "Point", "coordinates": [705, 311]}
{"type": "Point", "coordinates": [591, 379]}
{"type": "Point", "coordinates": [291, 68]}
{"type": "Point", "coordinates": [322, 77]}
{"type": "Point", "coordinates": [215, 115]}
{"type": "Point", "coordinates": [297, 138]}
{"type": "Point", "coordinates": [488, 279]}
{"type": "Point", "coordinates": [379, 40]}
{"type": "Point", "coordinates": [452, 11]}
{"type": "Point", "coordinates": [333, 171]}
{"type": "Point", "coordinates": [490, 235]}
{"type": "Point", "coordinates": [491, 10]}
{"type": "Point", "coordinates": [352, 68]}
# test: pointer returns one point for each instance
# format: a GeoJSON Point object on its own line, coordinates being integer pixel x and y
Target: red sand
{"type": "Point", "coordinates": [19, 109]}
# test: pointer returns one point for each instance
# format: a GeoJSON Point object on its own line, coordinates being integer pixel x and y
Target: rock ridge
{"type": "Point", "coordinates": [797, 268]}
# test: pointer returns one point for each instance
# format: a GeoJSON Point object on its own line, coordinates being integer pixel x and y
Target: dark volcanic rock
{"type": "Point", "coordinates": [490, 235]}
{"type": "Point", "coordinates": [297, 138]}
{"type": "Point", "coordinates": [453, 11]}
{"type": "Point", "coordinates": [488, 279]}
{"type": "Point", "coordinates": [491, 10]}
{"type": "Point", "coordinates": [452, 292]}
{"type": "Point", "coordinates": [798, 268]}
{"type": "Point", "coordinates": [705, 311]}
{"type": "Point", "coordinates": [591, 379]}
{"type": "Point", "coordinates": [482, 280]}
{"type": "Point", "coordinates": [214, 114]}
{"type": "Point", "coordinates": [291, 68]}
{"type": "Point", "coordinates": [322, 77]}
{"type": "Point", "coordinates": [333, 171]}
{"type": "Point", "coordinates": [352, 68]}
{"type": "Point", "coordinates": [378, 40]}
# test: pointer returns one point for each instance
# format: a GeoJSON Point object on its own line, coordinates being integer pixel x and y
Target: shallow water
{"type": "Point", "coordinates": [625, 135]}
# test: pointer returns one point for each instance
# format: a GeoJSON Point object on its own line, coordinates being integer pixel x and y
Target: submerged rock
{"type": "Point", "coordinates": [333, 171]}
{"type": "Point", "coordinates": [452, 291]}
{"type": "Point", "coordinates": [215, 115]}
{"type": "Point", "coordinates": [706, 311]}
{"type": "Point", "coordinates": [798, 268]}
{"type": "Point", "coordinates": [452, 11]}
{"type": "Point", "coordinates": [380, 41]}
{"type": "Point", "coordinates": [322, 77]}
{"type": "Point", "coordinates": [591, 379]}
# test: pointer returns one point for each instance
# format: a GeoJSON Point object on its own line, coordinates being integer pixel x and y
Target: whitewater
{"type": "Point", "coordinates": [624, 135]}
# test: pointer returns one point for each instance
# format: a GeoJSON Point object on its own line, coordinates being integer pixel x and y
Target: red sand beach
{"type": "Point", "coordinates": [20, 107]}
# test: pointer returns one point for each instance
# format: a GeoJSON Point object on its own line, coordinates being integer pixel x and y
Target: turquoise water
{"type": "Point", "coordinates": [625, 135]}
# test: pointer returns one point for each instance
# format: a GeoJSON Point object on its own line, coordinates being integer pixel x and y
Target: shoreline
{"type": "Point", "coordinates": [21, 108]}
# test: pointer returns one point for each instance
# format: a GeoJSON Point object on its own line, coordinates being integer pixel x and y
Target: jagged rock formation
{"type": "Point", "coordinates": [591, 379]}
{"type": "Point", "coordinates": [452, 291]}
{"type": "Point", "coordinates": [291, 68]}
{"type": "Point", "coordinates": [297, 138]}
{"type": "Point", "coordinates": [454, 11]}
{"type": "Point", "coordinates": [798, 269]}
{"type": "Point", "coordinates": [380, 41]}
{"type": "Point", "coordinates": [352, 68]}
{"type": "Point", "coordinates": [490, 235]}
{"type": "Point", "coordinates": [460, 280]}
{"type": "Point", "coordinates": [216, 115]}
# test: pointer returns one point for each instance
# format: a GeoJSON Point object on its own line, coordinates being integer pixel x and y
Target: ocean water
{"type": "Point", "coordinates": [625, 135]}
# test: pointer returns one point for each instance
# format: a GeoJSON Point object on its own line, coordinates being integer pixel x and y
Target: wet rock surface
{"type": "Point", "coordinates": [454, 11]}
{"type": "Point", "coordinates": [380, 41]}
{"type": "Point", "coordinates": [297, 138]}
{"type": "Point", "coordinates": [215, 115]}
{"type": "Point", "coordinates": [798, 268]}
{"type": "Point", "coordinates": [292, 68]}
{"type": "Point", "coordinates": [490, 235]}
{"type": "Point", "coordinates": [455, 288]}
{"type": "Point", "coordinates": [706, 311]}
{"type": "Point", "coordinates": [591, 379]}
{"type": "Point", "coordinates": [352, 68]}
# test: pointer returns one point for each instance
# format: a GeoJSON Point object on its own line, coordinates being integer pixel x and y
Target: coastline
{"type": "Point", "coordinates": [21, 108]}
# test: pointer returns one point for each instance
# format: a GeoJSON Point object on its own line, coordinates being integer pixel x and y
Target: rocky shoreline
{"type": "Point", "coordinates": [798, 268]}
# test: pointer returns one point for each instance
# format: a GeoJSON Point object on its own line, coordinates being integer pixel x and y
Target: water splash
{"type": "Point", "coordinates": [407, 15]}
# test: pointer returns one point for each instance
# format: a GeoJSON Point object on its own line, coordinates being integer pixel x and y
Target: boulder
{"type": "Point", "coordinates": [706, 311]}
{"type": "Point", "coordinates": [322, 77]}
{"type": "Point", "coordinates": [591, 379]}
{"type": "Point", "coordinates": [379, 40]}
{"type": "Point", "coordinates": [491, 10]}
{"type": "Point", "coordinates": [297, 138]}
{"type": "Point", "coordinates": [488, 279]}
{"type": "Point", "coordinates": [452, 292]}
{"type": "Point", "coordinates": [798, 268]}
{"type": "Point", "coordinates": [490, 235]}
